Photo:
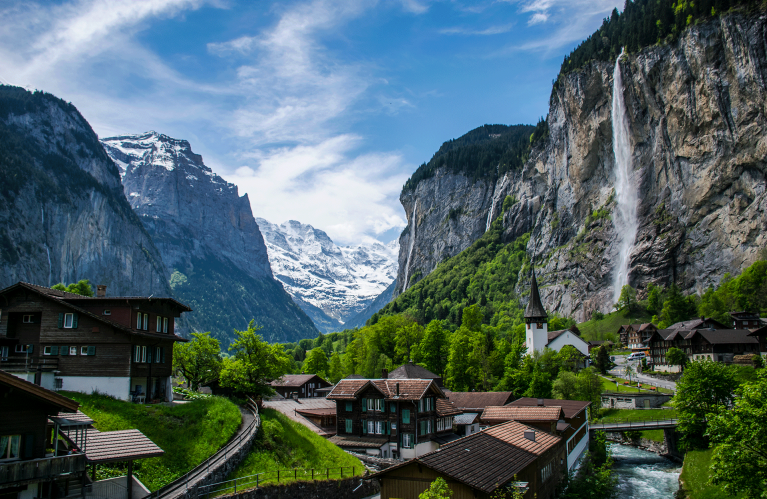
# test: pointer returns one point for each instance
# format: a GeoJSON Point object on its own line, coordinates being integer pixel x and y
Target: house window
{"type": "Point", "coordinates": [9, 447]}
{"type": "Point", "coordinates": [375, 404]}
{"type": "Point", "coordinates": [27, 319]}
{"type": "Point", "coordinates": [83, 350]}
{"type": "Point", "coordinates": [58, 383]}
{"type": "Point", "coordinates": [107, 312]}
{"type": "Point", "coordinates": [143, 354]}
{"type": "Point", "coordinates": [348, 407]}
{"type": "Point", "coordinates": [159, 355]}
{"type": "Point", "coordinates": [371, 426]}
{"type": "Point", "coordinates": [146, 322]}
{"type": "Point", "coordinates": [405, 416]}
{"type": "Point", "coordinates": [23, 349]}
{"type": "Point", "coordinates": [72, 350]}
{"type": "Point", "coordinates": [69, 320]}
{"type": "Point", "coordinates": [3, 353]}
{"type": "Point", "coordinates": [159, 324]}
{"type": "Point", "coordinates": [136, 353]}
{"type": "Point", "coordinates": [348, 425]}
{"type": "Point", "coordinates": [380, 427]}
{"type": "Point", "coordinates": [407, 440]}
{"type": "Point", "coordinates": [51, 350]}
{"type": "Point", "coordinates": [138, 321]}
{"type": "Point", "coordinates": [164, 324]}
{"type": "Point", "coordinates": [546, 471]}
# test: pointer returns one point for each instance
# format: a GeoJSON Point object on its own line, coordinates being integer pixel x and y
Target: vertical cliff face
{"type": "Point", "coordinates": [63, 215]}
{"type": "Point", "coordinates": [697, 125]}
{"type": "Point", "coordinates": [208, 238]}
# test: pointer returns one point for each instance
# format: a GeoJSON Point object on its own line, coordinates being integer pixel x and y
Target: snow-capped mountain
{"type": "Point", "coordinates": [331, 283]}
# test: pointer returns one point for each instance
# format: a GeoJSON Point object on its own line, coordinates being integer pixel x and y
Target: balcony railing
{"type": "Point", "coordinates": [34, 469]}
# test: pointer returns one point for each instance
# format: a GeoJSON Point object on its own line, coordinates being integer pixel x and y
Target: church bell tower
{"type": "Point", "coordinates": [536, 327]}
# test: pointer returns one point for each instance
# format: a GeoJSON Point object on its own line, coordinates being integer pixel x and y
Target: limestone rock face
{"type": "Point", "coordinates": [63, 216]}
{"type": "Point", "coordinates": [698, 130]}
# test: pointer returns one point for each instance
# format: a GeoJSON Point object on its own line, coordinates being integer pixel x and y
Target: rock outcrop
{"type": "Point", "coordinates": [63, 215]}
{"type": "Point", "coordinates": [697, 120]}
{"type": "Point", "coordinates": [208, 238]}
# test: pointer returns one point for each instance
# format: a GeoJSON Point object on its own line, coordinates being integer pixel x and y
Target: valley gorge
{"type": "Point", "coordinates": [696, 130]}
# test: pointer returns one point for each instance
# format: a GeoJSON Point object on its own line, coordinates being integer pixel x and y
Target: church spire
{"type": "Point", "coordinates": [535, 308]}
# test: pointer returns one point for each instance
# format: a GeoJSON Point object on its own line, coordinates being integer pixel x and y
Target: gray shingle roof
{"type": "Point", "coordinates": [535, 308]}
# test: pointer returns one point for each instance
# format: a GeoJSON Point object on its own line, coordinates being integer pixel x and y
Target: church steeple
{"type": "Point", "coordinates": [535, 311]}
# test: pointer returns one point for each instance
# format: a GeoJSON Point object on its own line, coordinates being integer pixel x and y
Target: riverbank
{"type": "Point", "coordinates": [695, 475]}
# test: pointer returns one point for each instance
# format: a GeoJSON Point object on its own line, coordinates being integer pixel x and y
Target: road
{"type": "Point", "coordinates": [621, 361]}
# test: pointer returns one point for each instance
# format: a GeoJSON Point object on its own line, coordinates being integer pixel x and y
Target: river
{"type": "Point", "coordinates": [643, 474]}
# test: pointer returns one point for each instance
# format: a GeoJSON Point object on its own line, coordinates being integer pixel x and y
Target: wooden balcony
{"type": "Point", "coordinates": [34, 470]}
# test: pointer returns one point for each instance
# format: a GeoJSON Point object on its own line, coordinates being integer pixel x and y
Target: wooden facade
{"type": "Point", "coordinates": [719, 345]}
{"type": "Point", "coordinates": [300, 386]}
{"type": "Point", "coordinates": [95, 343]}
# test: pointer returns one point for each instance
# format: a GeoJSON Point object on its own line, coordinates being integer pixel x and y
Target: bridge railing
{"type": "Point", "coordinates": [634, 423]}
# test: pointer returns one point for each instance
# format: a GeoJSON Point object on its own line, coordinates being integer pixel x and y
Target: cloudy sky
{"type": "Point", "coordinates": [318, 109]}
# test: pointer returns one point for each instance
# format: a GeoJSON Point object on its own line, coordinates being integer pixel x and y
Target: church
{"type": "Point", "coordinates": [537, 334]}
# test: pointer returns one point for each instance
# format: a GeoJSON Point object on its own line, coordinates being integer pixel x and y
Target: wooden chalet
{"type": "Point", "coordinates": [746, 320]}
{"type": "Point", "coordinates": [300, 386]}
{"type": "Point", "coordinates": [509, 455]}
{"type": "Point", "coordinates": [761, 336]}
{"type": "Point", "coordinates": [27, 470]}
{"type": "Point", "coordinates": [392, 418]}
{"type": "Point", "coordinates": [623, 334]}
{"type": "Point", "coordinates": [120, 346]}
{"type": "Point", "coordinates": [477, 401]}
{"type": "Point", "coordinates": [700, 339]}
{"type": "Point", "coordinates": [573, 427]}
{"type": "Point", "coordinates": [413, 371]}
{"type": "Point", "coordinates": [639, 334]}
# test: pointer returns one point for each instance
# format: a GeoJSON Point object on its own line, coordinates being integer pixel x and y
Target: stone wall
{"type": "Point", "coordinates": [337, 489]}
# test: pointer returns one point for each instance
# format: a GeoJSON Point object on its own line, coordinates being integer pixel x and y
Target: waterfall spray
{"type": "Point", "coordinates": [625, 215]}
{"type": "Point", "coordinates": [412, 243]}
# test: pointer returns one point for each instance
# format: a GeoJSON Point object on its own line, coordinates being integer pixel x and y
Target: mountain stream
{"type": "Point", "coordinates": [644, 474]}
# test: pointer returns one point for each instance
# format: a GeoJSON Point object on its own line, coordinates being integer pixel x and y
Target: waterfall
{"type": "Point", "coordinates": [625, 215]}
{"type": "Point", "coordinates": [412, 243]}
{"type": "Point", "coordinates": [496, 195]}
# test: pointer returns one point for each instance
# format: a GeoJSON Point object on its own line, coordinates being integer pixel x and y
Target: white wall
{"type": "Point", "coordinates": [569, 338]}
{"type": "Point", "coordinates": [118, 387]}
{"type": "Point", "coordinates": [574, 457]}
{"type": "Point", "coordinates": [420, 450]}
{"type": "Point", "coordinates": [46, 380]}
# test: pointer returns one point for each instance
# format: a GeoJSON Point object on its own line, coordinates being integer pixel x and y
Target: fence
{"type": "Point", "coordinates": [108, 489]}
{"type": "Point", "coordinates": [259, 479]}
{"type": "Point", "coordinates": [628, 423]}
{"type": "Point", "coordinates": [201, 471]}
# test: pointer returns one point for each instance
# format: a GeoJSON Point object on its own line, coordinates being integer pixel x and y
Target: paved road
{"type": "Point", "coordinates": [621, 361]}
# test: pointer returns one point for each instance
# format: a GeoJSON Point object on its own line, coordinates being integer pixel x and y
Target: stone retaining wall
{"type": "Point", "coordinates": [337, 489]}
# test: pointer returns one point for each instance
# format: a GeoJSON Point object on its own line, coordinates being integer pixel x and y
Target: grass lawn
{"type": "Point", "coordinates": [188, 433]}
{"type": "Point", "coordinates": [608, 327]}
{"type": "Point", "coordinates": [609, 386]}
{"type": "Point", "coordinates": [695, 475]}
{"type": "Point", "coordinates": [283, 444]}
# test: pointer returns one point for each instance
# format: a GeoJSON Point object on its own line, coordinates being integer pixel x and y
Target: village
{"type": "Point", "coordinates": [406, 426]}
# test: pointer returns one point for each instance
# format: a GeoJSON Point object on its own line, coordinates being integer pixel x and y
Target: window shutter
{"type": "Point", "coordinates": [149, 356]}
{"type": "Point", "coordinates": [64, 350]}
{"type": "Point", "coordinates": [387, 425]}
{"type": "Point", "coordinates": [61, 320]}
{"type": "Point", "coordinates": [30, 348]}
{"type": "Point", "coordinates": [364, 405]}
{"type": "Point", "coordinates": [364, 427]}
{"type": "Point", "coordinates": [406, 416]}
{"type": "Point", "coordinates": [54, 350]}
{"type": "Point", "coordinates": [91, 350]}
{"type": "Point", "coordinates": [74, 321]}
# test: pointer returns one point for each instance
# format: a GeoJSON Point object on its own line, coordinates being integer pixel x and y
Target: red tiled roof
{"type": "Point", "coordinates": [347, 389]}
{"type": "Point", "coordinates": [477, 401]}
{"type": "Point", "coordinates": [446, 408]}
{"type": "Point", "coordinates": [488, 459]}
{"type": "Point", "coordinates": [409, 389]}
{"type": "Point", "coordinates": [522, 413]}
{"type": "Point", "coordinates": [571, 408]}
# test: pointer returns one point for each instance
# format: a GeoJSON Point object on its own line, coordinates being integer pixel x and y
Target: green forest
{"type": "Point", "coordinates": [647, 22]}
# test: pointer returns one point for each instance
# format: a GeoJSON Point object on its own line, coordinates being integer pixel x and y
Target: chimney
{"type": "Point", "coordinates": [101, 291]}
{"type": "Point", "coordinates": [397, 385]}
{"type": "Point", "coordinates": [384, 374]}
{"type": "Point", "coordinates": [530, 435]}
{"type": "Point", "coordinates": [540, 403]}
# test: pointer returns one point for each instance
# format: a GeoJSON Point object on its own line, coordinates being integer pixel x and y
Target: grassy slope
{"type": "Point", "coordinates": [283, 444]}
{"type": "Point", "coordinates": [607, 328]}
{"type": "Point", "coordinates": [609, 386]}
{"type": "Point", "coordinates": [695, 475]}
{"type": "Point", "coordinates": [188, 433]}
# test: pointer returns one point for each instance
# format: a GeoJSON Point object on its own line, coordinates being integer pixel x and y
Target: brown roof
{"type": "Point", "coordinates": [65, 295]}
{"type": "Point", "coordinates": [347, 389]}
{"type": "Point", "coordinates": [76, 418]}
{"type": "Point", "coordinates": [412, 371]}
{"type": "Point", "coordinates": [488, 459]}
{"type": "Point", "coordinates": [571, 408]}
{"type": "Point", "coordinates": [477, 401]}
{"type": "Point", "coordinates": [112, 446]}
{"type": "Point", "coordinates": [534, 309]}
{"type": "Point", "coordinates": [446, 408]}
{"type": "Point", "coordinates": [316, 412]}
{"type": "Point", "coordinates": [367, 442]}
{"type": "Point", "coordinates": [724, 336]}
{"type": "Point", "coordinates": [409, 389]}
{"type": "Point", "coordinates": [33, 390]}
{"type": "Point", "coordinates": [294, 380]}
{"type": "Point", "coordinates": [521, 413]}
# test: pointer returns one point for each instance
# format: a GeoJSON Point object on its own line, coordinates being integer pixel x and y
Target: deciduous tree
{"type": "Point", "coordinates": [81, 287]}
{"type": "Point", "coordinates": [316, 362]}
{"type": "Point", "coordinates": [199, 360]}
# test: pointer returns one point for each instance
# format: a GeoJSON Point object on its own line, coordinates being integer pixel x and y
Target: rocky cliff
{"type": "Point", "coordinates": [208, 238]}
{"type": "Point", "coordinates": [63, 215]}
{"type": "Point", "coordinates": [696, 111]}
{"type": "Point", "coordinates": [330, 283]}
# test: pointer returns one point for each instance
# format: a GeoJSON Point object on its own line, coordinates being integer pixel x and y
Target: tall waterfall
{"type": "Point", "coordinates": [496, 195]}
{"type": "Point", "coordinates": [625, 216]}
{"type": "Point", "coordinates": [412, 243]}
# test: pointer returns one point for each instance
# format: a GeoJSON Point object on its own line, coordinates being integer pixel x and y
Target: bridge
{"type": "Point", "coordinates": [667, 425]}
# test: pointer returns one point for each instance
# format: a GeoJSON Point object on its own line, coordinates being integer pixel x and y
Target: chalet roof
{"type": "Point", "coordinates": [571, 408]}
{"type": "Point", "coordinates": [697, 323]}
{"type": "Point", "coordinates": [352, 441]}
{"type": "Point", "coordinates": [724, 336]}
{"type": "Point", "coordinates": [294, 380]}
{"type": "Point", "coordinates": [446, 408]}
{"type": "Point", "coordinates": [488, 459]}
{"type": "Point", "coordinates": [466, 418]}
{"type": "Point", "coordinates": [600, 342]}
{"type": "Point", "coordinates": [477, 401]}
{"type": "Point", "coordinates": [534, 309]}
{"type": "Point", "coordinates": [409, 389]}
{"type": "Point", "coordinates": [111, 446]}
{"type": "Point", "coordinates": [562, 426]}
{"type": "Point", "coordinates": [317, 412]}
{"type": "Point", "coordinates": [553, 335]}
{"type": "Point", "coordinates": [647, 325]}
{"type": "Point", "coordinates": [762, 331]}
{"type": "Point", "coordinates": [49, 397]}
{"type": "Point", "coordinates": [53, 294]}
{"type": "Point", "coordinates": [67, 296]}
{"type": "Point", "coordinates": [522, 413]}
{"type": "Point", "coordinates": [412, 371]}
{"type": "Point", "coordinates": [744, 315]}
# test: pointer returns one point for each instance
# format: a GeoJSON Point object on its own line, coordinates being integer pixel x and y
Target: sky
{"type": "Point", "coordinates": [319, 110]}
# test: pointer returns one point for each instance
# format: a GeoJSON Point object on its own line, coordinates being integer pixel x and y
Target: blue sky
{"type": "Point", "coordinates": [318, 109]}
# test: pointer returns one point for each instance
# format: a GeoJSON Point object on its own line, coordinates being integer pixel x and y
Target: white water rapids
{"type": "Point", "coordinates": [412, 243]}
{"type": "Point", "coordinates": [625, 215]}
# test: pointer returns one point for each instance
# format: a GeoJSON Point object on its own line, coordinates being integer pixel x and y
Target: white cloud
{"type": "Point", "coordinates": [492, 30]}
{"type": "Point", "coordinates": [415, 6]}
